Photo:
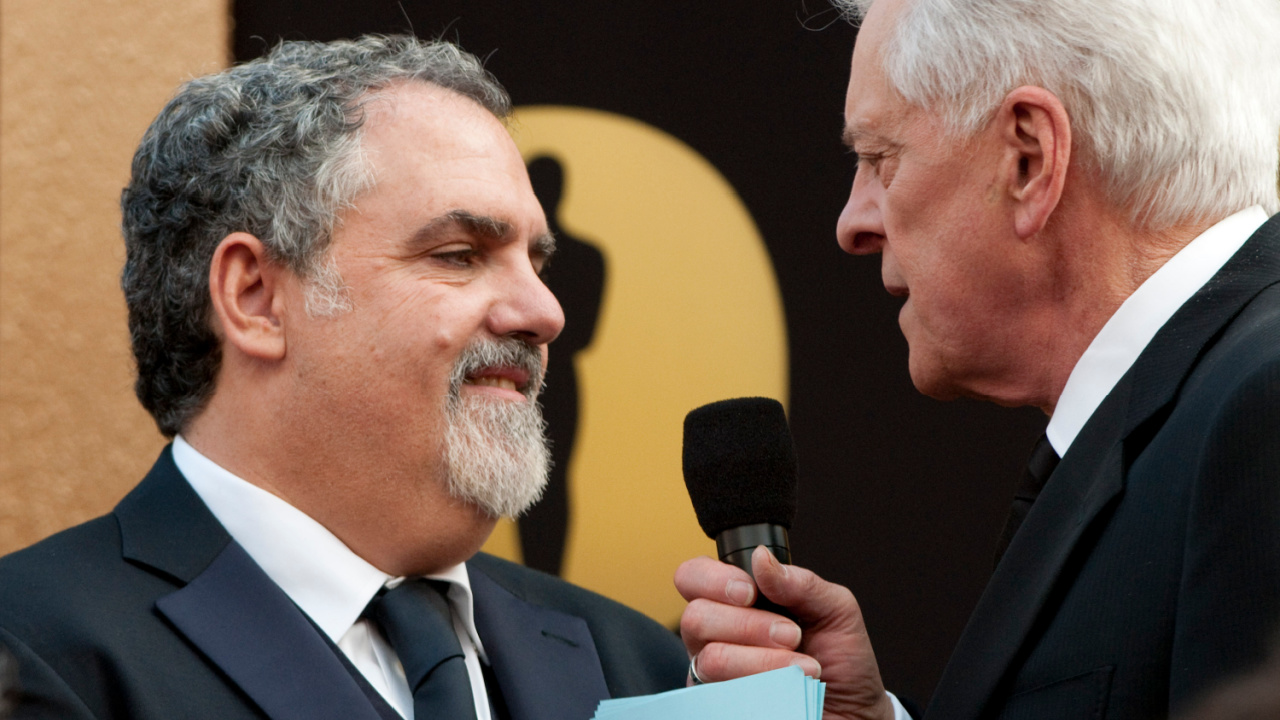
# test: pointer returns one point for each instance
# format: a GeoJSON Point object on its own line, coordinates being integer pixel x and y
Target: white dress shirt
{"type": "Point", "coordinates": [323, 577]}
{"type": "Point", "coordinates": [1124, 337]}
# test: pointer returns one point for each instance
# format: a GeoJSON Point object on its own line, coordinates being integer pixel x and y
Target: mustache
{"type": "Point", "coordinates": [487, 352]}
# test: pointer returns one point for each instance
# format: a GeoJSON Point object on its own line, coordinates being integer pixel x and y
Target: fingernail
{"type": "Point", "coordinates": [777, 564]}
{"type": "Point", "coordinates": [785, 634]}
{"type": "Point", "coordinates": [740, 592]}
{"type": "Point", "coordinates": [809, 666]}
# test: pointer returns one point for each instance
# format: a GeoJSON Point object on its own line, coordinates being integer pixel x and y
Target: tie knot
{"type": "Point", "coordinates": [1040, 466]}
{"type": "Point", "coordinates": [416, 620]}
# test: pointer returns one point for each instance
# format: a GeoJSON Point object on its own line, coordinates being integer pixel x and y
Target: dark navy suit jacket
{"type": "Point", "coordinates": [1148, 569]}
{"type": "Point", "coordinates": [154, 612]}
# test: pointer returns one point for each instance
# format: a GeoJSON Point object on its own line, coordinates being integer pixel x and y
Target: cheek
{"type": "Point", "coordinates": [941, 286]}
{"type": "Point", "coordinates": [941, 248]}
{"type": "Point", "coordinates": [414, 328]}
{"type": "Point", "coordinates": [424, 316]}
{"type": "Point", "coordinates": [449, 325]}
{"type": "Point", "coordinates": [425, 338]}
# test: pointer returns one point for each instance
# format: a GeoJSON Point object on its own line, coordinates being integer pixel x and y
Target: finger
{"type": "Point", "coordinates": [703, 577]}
{"type": "Point", "coordinates": [705, 621]}
{"type": "Point", "coordinates": [809, 597]}
{"type": "Point", "coordinates": [722, 661]}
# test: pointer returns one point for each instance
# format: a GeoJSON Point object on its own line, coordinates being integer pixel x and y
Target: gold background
{"type": "Point", "coordinates": [79, 82]}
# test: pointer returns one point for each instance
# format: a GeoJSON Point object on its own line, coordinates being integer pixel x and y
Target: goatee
{"type": "Point", "coordinates": [496, 455]}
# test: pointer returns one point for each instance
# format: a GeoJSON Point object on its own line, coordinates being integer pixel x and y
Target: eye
{"type": "Point", "coordinates": [882, 165]}
{"type": "Point", "coordinates": [871, 160]}
{"type": "Point", "coordinates": [457, 255]}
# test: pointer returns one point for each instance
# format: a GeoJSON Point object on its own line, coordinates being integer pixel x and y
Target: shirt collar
{"type": "Point", "coordinates": [1127, 333]}
{"type": "Point", "coordinates": [319, 573]}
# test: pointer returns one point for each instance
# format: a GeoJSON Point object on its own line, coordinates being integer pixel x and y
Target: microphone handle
{"type": "Point", "coordinates": [735, 546]}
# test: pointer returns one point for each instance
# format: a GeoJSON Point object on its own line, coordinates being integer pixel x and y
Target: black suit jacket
{"type": "Point", "coordinates": [1149, 567]}
{"type": "Point", "coordinates": [154, 612]}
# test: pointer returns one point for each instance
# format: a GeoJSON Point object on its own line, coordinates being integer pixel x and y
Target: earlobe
{"type": "Point", "coordinates": [1037, 131]}
{"type": "Point", "coordinates": [244, 286]}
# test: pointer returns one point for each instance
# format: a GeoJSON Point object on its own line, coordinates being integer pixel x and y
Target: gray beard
{"type": "Point", "coordinates": [496, 455]}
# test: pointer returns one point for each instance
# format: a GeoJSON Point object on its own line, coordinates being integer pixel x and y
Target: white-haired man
{"type": "Point", "coordinates": [332, 274]}
{"type": "Point", "coordinates": [1072, 197]}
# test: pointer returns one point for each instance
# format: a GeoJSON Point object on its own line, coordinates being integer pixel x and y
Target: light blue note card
{"type": "Point", "coordinates": [786, 694]}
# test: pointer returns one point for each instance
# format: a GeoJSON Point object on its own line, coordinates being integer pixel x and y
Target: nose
{"type": "Point", "coordinates": [526, 307]}
{"type": "Point", "coordinates": [860, 230]}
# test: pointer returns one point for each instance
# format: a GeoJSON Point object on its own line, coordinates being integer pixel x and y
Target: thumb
{"type": "Point", "coordinates": [801, 591]}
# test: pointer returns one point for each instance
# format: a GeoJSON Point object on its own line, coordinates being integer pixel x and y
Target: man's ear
{"type": "Point", "coordinates": [246, 290]}
{"type": "Point", "coordinates": [1036, 129]}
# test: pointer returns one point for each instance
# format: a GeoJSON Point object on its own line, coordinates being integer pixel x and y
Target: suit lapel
{"type": "Point", "coordinates": [229, 609]}
{"type": "Point", "coordinates": [1080, 487]}
{"type": "Point", "coordinates": [1087, 480]}
{"type": "Point", "coordinates": [248, 627]}
{"type": "Point", "coordinates": [166, 527]}
{"type": "Point", "coordinates": [545, 661]}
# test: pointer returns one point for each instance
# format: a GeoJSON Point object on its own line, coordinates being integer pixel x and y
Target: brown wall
{"type": "Point", "coordinates": [79, 81]}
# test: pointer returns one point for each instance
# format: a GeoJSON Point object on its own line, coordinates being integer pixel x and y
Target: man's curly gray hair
{"type": "Point", "coordinates": [270, 148]}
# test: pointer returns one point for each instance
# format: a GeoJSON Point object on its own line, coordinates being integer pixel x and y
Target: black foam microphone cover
{"type": "Point", "coordinates": [740, 469]}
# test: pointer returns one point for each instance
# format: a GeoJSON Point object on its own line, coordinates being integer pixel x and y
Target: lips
{"type": "Point", "coordinates": [506, 367]}
{"type": "Point", "coordinates": [504, 378]}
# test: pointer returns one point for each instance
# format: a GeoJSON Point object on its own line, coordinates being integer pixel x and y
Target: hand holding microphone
{"type": "Point", "coordinates": [740, 470]}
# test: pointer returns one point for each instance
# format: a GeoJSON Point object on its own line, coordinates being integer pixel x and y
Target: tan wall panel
{"type": "Point", "coordinates": [79, 82]}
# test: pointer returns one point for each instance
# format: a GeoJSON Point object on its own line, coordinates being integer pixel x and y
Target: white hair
{"type": "Point", "coordinates": [1175, 102]}
{"type": "Point", "coordinates": [326, 295]}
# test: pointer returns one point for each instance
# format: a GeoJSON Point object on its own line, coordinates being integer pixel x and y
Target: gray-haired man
{"type": "Point", "coordinates": [1072, 197]}
{"type": "Point", "coordinates": [332, 275]}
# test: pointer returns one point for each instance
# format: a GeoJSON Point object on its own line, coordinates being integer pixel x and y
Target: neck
{"type": "Point", "coordinates": [1098, 260]}
{"type": "Point", "coordinates": [400, 520]}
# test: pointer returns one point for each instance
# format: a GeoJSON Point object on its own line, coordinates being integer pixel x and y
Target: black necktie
{"type": "Point", "coordinates": [415, 619]}
{"type": "Point", "coordinates": [1043, 460]}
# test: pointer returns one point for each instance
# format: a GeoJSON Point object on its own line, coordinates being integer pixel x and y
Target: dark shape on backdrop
{"type": "Point", "coordinates": [576, 275]}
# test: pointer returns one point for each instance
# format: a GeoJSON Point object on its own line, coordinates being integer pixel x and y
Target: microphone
{"type": "Point", "coordinates": [740, 469]}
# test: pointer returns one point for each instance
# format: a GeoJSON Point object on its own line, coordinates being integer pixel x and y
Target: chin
{"type": "Point", "coordinates": [934, 383]}
{"type": "Point", "coordinates": [938, 391]}
{"type": "Point", "coordinates": [929, 378]}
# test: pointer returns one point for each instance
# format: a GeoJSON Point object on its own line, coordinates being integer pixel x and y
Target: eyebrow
{"type": "Point", "coordinates": [485, 226]}
{"type": "Point", "coordinates": [850, 136]}
{"type": "Point", "coordinates": [854, 133]}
